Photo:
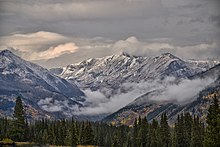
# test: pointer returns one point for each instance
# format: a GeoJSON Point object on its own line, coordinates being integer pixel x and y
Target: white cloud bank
{"type": "Point", "coordinates": [181, 92]}
{"type": "Point", "coordinates": [97, 103]}
{"type": "Point", "coordinates": [184, 91]}
{"type": "Point", "coordinates": [133, 46]}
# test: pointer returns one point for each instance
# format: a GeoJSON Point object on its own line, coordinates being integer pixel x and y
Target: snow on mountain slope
{"type": "Point", "coordinates": [43, 92]}
{"type": "Point", "coordinates": [108, 74]}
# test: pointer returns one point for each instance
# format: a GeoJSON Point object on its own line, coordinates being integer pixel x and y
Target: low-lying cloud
{"type": "Point", "coordinates": [50, 105]}
{"type": "Point", "coordinates": [184, 91]}
{"type": "Point", "coordinates": [97, 103]}
{"type": "Point", "coordinates": [54, 105]}
{"type": "Point", "coordinates": [180, 92]}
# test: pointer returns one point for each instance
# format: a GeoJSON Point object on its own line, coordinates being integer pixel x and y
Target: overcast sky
{"type": "Point", "coordinates": [59, 32]}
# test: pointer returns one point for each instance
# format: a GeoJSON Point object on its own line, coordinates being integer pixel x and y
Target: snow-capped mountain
{"type": "Point", "coordinates": [44, 94]}
{"type": "Point", "coordinates": [108, 74]}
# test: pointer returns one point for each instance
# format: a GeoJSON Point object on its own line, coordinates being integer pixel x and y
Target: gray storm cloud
{"type": "Point", "coordinates": [183, 22]}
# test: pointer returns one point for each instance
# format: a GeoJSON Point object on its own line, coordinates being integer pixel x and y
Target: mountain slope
{"type": "Point", "coordinates": [44, 93]}
{"type": "Point", "coordinates": [148, 104]}
{"type": "Point", "coordinates": [108, 74]}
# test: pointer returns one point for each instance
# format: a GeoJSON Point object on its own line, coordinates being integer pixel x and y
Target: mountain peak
{"type": "Point", "coordinates": [6, 52]}
{"type": "Point", "coordinates": [169, 55]}
{"type": "Point", "coordinates": [9, 54]}
{"type": "Point", "coordinates": [125, 54]}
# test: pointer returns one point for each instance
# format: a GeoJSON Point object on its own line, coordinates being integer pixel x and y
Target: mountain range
{"type": "Point", "coordinates": [160, 84]}
{"type": "Point", "coordinates": [108, 74]}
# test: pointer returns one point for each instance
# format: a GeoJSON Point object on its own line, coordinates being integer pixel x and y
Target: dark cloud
{"type": "Point", "coordinates": [215, 19]}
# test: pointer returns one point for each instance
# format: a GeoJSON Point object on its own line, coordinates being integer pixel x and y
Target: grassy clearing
{"type": "Point", "coordinates": [26, 144]}
{"type": "Point", "coordinates": [30, 144]}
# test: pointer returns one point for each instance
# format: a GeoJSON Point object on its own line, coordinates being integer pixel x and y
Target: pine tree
{"type": "Point", "coordinates": [62, 132]}
{"type": "Point", "coordinates": [73, 134]}
{"type": "Point", "coordinates": [101, 137]}
{"type": "Point", "coordinates": [54, 133]}
{"type": "Point", "coordinates": [45, 138]}
{"type": "Point", "coordinates": [174, 137]}
{"type": "Point", "coordinates": [187, 128]}
{"type": "Point", "coordinates": [179, 131]}
{"type": "Point", "coordinates": [4, 128]}
{"type": "Point", "coordinates": [135, 133]}
{"type": "Point", "coordinates": [165, 131]}
{"type": "Point", "coordinates": [71, 138]}
{"type": "Point", "coordinates": [19, 126]}
{"type": "Point", "coordinates": [116, 140]}
{"type": "Point", "coordinates": [82, 134]}
{"type": "Point", "coordinates": [138, 138]}
{"type": "Point", "coordinates": [154, 139]}
{"type": "Point", "coordinates": [88, 134]}
{"type": "Point", "coordinates": [212, 133]}
{"type": "Point", "coordinates": [129, 140]}
{"type": "Point", "coordinates": [122, 132]}
{"type": "Point", "coordinates": [197, 133]}
{"type": "Point", "coordinates": [143, 133]}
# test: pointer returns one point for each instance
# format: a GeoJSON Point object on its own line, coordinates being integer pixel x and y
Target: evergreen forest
{"type": "Point", "coordinates": [187, 131]}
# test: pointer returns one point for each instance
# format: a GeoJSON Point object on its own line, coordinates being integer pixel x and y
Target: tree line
{"type": "Point", "coordinates": [187, 131]}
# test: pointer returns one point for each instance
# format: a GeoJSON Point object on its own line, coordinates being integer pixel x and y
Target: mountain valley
{"type": "Point", "coordinates": [133, 85]}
